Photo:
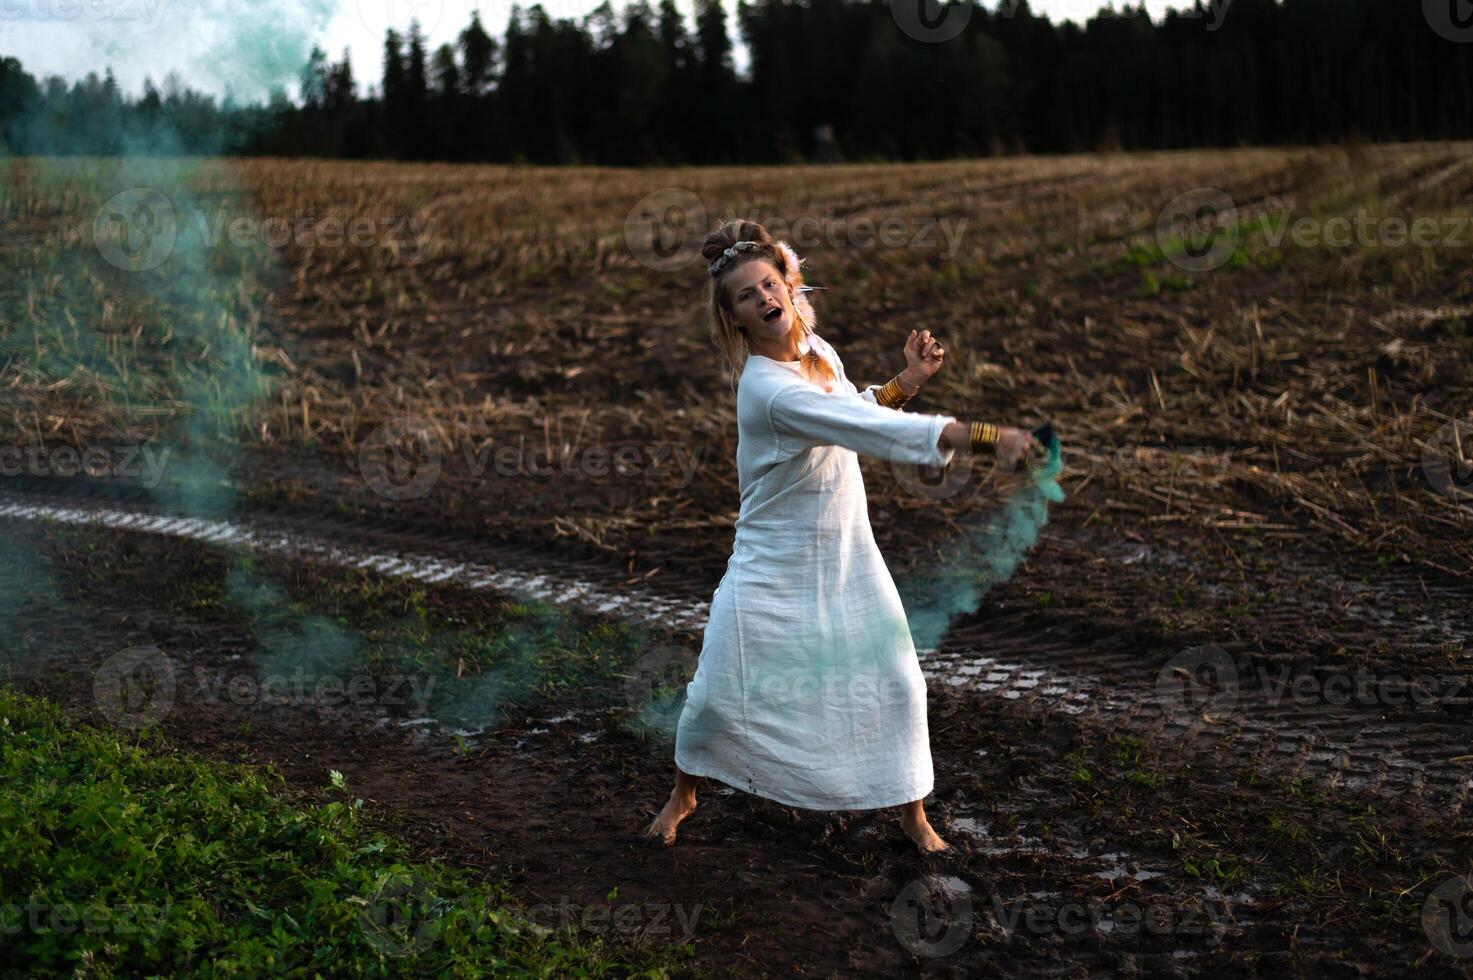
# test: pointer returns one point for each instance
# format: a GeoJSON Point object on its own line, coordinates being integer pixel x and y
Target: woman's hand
{"type": "Point", "coordinates": [923, 356]}
{"type": "Point", "coordinates": [1016, 444]}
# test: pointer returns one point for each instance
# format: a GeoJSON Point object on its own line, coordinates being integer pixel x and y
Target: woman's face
{"type": "Point", "coordinates": [756, 291]}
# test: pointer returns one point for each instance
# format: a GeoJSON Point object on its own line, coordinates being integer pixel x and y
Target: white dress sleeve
{"type": "Point", "coordinates": [804, 414]}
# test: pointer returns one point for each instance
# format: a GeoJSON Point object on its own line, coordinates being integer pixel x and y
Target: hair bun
{"type": "Point", "coordinates": [731, 232]}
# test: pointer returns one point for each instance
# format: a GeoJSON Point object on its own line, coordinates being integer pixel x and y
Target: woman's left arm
{"type": "Point", "coordinates": [923, 358]}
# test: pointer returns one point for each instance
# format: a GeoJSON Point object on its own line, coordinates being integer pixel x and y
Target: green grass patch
{"type": "Point", "coordinates": [120, 858]}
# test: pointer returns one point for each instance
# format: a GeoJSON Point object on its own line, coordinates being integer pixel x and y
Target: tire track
{"type": "Point", "coordinates": [1099, 681]}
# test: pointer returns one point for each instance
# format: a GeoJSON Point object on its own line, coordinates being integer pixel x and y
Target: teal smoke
{"type": "Point", "coordinates": [987, 555]}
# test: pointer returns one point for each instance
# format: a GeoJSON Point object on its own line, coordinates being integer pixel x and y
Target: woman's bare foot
{"type": "Point", "coordinates": [913, 821]}
{"type": "Point", "coordinates": [662, 829]}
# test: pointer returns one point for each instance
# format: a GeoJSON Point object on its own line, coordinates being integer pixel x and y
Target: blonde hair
{"type": "Point", "coordinates": [729, 339]}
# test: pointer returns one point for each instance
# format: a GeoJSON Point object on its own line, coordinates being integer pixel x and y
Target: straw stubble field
{"type": "Point", "coordinates": [1255, 420]}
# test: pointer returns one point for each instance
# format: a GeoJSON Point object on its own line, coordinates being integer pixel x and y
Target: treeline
{"type": "Point", "coordinates": [829, 79]}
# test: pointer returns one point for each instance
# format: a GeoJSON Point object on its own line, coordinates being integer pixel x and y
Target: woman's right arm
{"type": "Point", "coordinates": [1012, 444]}
{"type": "Point", "coordinates": [804, 414]}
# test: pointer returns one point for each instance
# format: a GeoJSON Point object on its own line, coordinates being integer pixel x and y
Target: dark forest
{"type": "Point", "coordinates": [829, 80]}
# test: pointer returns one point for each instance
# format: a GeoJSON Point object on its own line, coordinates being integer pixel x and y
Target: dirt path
{"type": "Point", "coordinates": [1066, 829]}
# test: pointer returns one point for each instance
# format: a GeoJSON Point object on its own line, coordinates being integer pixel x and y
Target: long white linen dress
{"type": "Point", "coordinates": [808, 690]}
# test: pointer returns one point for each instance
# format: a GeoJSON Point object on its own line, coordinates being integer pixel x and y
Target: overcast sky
{"type": "Point", "coordinates": [248, 46]}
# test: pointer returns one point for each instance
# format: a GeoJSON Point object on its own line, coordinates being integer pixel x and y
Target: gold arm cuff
{"type": "Point", "coordinates": [984, 434]}
{"type": "Point", "coordinates": [892, 395]}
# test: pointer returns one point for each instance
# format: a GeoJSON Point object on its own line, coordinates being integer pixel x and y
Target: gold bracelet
{"type": "Point", "coordinates": [892, 395]}
{"type": "Point", "coordinates": [984, 434]}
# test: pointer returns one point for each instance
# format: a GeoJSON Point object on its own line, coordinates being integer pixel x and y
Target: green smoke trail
{"type": "Point", "coordinates": [988, 555]}
{"type": "Point", "coordinates": [120, 292]}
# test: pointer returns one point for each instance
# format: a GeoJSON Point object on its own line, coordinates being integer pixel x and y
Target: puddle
{"type": "Point", "coordinates": [1119, 871]}
{"type": "Point", "coordinates": [952, 883]}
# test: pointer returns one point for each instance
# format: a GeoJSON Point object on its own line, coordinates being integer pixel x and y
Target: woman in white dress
{"type": "Point", "coordinates": [808, 691]}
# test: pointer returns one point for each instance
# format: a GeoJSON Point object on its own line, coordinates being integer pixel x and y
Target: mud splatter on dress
{"type": "Point", "coordinates": [808, 690]}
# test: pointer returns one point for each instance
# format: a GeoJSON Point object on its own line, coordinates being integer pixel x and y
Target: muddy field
{"type": "Point", "coordinates": [1218, 719]}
